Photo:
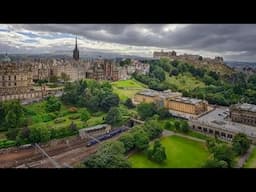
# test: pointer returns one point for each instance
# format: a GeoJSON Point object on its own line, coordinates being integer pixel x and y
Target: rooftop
{"type": "Point", "coordinates": [245, 107]}
{"type": "Point", "coordinates": [217, 118]}
{"type": "Point", "coordinates": [187, 100]}
{"type": "Point", "coordinates": [149, 92]}
{"type": "Point", "coordinates": [94, 127]}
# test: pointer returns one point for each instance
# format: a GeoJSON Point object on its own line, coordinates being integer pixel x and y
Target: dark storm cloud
{"type": "Point", "coordinates": [211, 37]}
{"type": "Point", "coordinates": [225, 39]}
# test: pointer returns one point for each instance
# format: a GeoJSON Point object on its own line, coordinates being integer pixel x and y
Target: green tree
{"type": "Point", "coordinates": [240, 144]}
{"type": "Point", "coordinates": [163, 113]}
{"type": "Point", "coordinates": [158, 153]}
{"type": "Point", "coordinates": [52, 104]}
{"type": "Point", "coordinates": [128, 103]}
{"type": "Point", "coordinates": [146, 110]}
{"type": "Point", "coordinates": [113, 116]}
{"type": "Point", "coordinates": [109, 155]}
{"type": "Point", "coordinates": [110, 100]}
{"type": "Point", "coordinates": [85, 115]}
{"type": "Point", "coordinates": [73, 126]}
{"type": "Point", "coordinates": [153, 129]}
{"type": "Point", "coordinates": [158, 73]}
{"type": "Point", "coordinates": [141, 140]}
{"type": "Point", "coordinates": [128, 141]}
{"type": "Point", "coordinates": [39, 134]}
{"type": "Point", "coordinates": [225, 153]}
{"type": "Point", "coordinates": [213, 163]}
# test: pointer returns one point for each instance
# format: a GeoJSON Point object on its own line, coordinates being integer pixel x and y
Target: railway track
{"type": "Point", "coordinates": [21, 157]}
{"type": "Point", "coordinates": [66, 154]}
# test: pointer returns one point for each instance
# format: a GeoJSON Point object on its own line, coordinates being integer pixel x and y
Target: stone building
{"type": "Point", "coordinates": [243, 113]}
{"type": "Point", "coordinates": [16, 81]}
{"type": "Point", "coordinates": [172, 101]}
{"type": "Point", "coordinates": [187, 105]}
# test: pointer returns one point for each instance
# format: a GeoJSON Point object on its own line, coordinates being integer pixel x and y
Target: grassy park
{"type": "Point", "coordinates": [127, 88]}
{"type": "Point", "coordinates": [181, 153]}
{"type": "Point", "coordinates": [184, 81]}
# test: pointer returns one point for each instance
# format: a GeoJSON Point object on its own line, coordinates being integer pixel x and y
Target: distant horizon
{"type": "Point", "coordinates": [233, 42]}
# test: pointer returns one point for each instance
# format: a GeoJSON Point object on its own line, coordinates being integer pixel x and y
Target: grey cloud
{"type": "Point", "coordinates": [197, 37]}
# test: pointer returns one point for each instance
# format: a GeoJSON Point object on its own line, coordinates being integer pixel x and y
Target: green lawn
{"type": "Point", "coordinates": [181, 153]}
{"type": "Point", "coordinates": [251, 162]}
{"type": "Point", "coordinates": [184, 81]}
{"type": "Point", "coordinates": [127, 88]}
{"type": "Point", "coordinates": [130, 83]}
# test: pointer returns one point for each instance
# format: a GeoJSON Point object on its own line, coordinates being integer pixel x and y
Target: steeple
{"type": "Point", "coordinates": [76, 52]}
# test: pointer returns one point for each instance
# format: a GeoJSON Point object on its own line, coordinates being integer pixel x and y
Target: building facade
{"type": "Point", "coordinates": [187, 105]}
{"type": "Point", "coordinates": [243, 113]}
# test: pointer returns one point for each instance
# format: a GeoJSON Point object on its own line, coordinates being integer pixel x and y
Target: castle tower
{"type": "Point", "coordinates": [76, 52]}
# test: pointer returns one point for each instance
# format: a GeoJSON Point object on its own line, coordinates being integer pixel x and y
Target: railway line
{"type": "Point", "coordinates": [66, 152]}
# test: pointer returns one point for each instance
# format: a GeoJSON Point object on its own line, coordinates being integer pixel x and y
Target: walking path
{"type": "Point", "coordinates": [169, 133]}
{"type": "Point", "coordinates": [243, 158]}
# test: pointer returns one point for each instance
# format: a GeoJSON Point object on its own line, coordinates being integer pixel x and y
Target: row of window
{"type": "Point", "coordinates": [222, 134]}
{"type": "Point", "coordinates": [9, 84]}
{"type": "Point", "coordinates": [243, 120]}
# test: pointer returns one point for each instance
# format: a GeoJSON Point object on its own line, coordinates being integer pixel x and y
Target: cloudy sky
{"type": "Point", "coordinates": [231, 41]}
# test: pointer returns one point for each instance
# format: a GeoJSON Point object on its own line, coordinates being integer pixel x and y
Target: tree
{"type": "Point", "coordinates": [213, 163]}
{"type": "Point", "coordinates": [141, 140]}
{"type": "Point", "coordinates": [157, 153]}
{"type": "Point", "coordinates": [39, 134]}
{"type": "Point", "coordinates": [85, 115]}
{"type": "Point", "coordinates": [64, 77]}
{"type": "Point", "coordinates": [52, 104]}
{"type": "Point", "coordinates": [225, 153]}
{"type": "Point", "coordinates": [174, 72]}
{"type": "Point", "coordinates": [113, 116]}
{"type": "Point", "coordinates": [146, 110]}
{"type": "Point", "coordinates": [128, 141]}
{"type": "Point", "coordinates": [184, 127]}
{"type": "Point", "coordinates": [240, 144]}
{"type": "Point", "coordinates": [73, 126]}
{"type": "Point", "coordinates": [163, 113]}
{"type": "Point", "coordinates": [158, 73]}
{"type": "Point", "coordinates": [153, 129]}
{"type": "Point", "coordinates": [11, 119]}
{"type": "Point", "coordinates": [110, 100]}
{"type": "Point", "coordinates": [128, 103]}
{"type": "Point", "coordinates": [109, 155]}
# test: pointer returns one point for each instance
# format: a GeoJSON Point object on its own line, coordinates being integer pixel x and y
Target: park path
{"type": "Point", "coordinates": [243, 158]}
{"type": "Point", "coordinates": [169, 133]}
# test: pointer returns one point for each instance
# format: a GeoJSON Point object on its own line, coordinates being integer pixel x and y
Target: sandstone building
{"type": "Point", "coordinates": [243, 113]}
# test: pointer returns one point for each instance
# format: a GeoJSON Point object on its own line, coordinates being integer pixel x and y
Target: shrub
{"type": "Point", "coordinates": [48, 117]}
{"type": "Point", "coordinates": [73, 117]}
{"type": "Point", "coordinates": [12, 133]}
{"type": "Point", "coordinates": [7, 143]}
{"type": "Point", "coordinates": [59, 120]}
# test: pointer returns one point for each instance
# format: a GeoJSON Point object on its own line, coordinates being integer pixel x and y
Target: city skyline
{"type": "Point", "coordinates": [230, 41]}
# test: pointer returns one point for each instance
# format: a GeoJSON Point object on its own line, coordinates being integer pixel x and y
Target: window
{"type": "Point", "coordinates": [15, 84]}
{"type": "Point", "coordinates": [9, 77]}
{"type": "Point", "coordinates": [3, 77]}
{"type": "Point", "coordinates": [14, 77]}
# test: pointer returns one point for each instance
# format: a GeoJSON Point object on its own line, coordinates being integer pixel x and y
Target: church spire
{"type": "Point", "coordinates": [76, 52]}
{"type": "Point", "coordinates": [76, 42]}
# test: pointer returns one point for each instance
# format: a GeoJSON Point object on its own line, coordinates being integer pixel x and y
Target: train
{"type": "Point", "coordinates": [106, 136]}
